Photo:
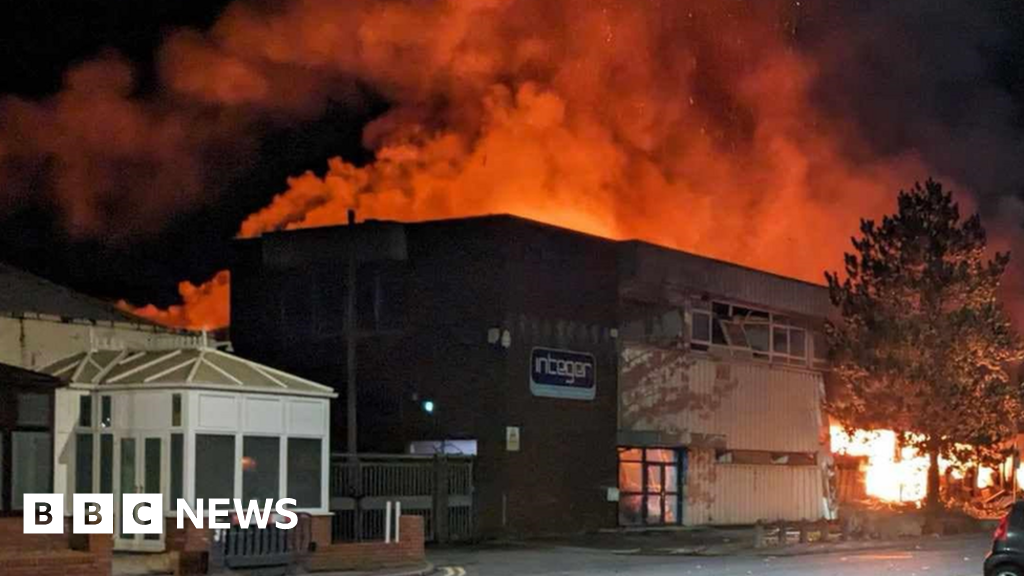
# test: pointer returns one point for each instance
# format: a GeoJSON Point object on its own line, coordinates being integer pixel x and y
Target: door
{"type": "Point", "coordinates": [140, 470]}
{"type": "Point", "coordinates": [650, 486]}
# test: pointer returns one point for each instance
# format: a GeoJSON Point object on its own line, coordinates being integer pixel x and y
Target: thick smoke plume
{"type": "Point", "coordinates": [715, 127]}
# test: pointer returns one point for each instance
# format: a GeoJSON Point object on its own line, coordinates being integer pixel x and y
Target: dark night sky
{"type": "Point", "coordinates": [39, 40]}
{"type": "Point", "coordinates": [955, 94]}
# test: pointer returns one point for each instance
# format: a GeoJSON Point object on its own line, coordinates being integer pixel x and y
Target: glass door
{"type": "Point", "coordinates": [140, 471]}
{"type": "Point", "coordinates": [649, 486]}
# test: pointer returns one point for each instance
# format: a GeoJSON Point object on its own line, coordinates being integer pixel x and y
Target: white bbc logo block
{"type": "Point", "coordinates": [43, 514]}
{"type": "Point", "coordinates": [93, 514]}
{"type": "Point", "coordinates": [142, 514]}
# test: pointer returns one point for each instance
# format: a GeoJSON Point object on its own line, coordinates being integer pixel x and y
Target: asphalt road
{"type": "Point", "coordinates": [954, 556]}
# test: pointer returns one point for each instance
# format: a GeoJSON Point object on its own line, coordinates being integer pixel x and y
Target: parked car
{"type": "Point", "coordinates": [1007, 555]}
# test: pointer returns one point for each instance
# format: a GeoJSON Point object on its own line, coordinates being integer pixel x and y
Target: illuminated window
{"type": "Point", "coordinates": [649, 486]}
{"type": "Point", "coordinates": [261, 468]}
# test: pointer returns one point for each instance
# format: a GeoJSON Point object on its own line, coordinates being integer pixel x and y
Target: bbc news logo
{"type": "Point", "coordinates": [143, 513]}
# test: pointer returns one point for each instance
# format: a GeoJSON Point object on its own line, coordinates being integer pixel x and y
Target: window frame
{"type": "Point", "coordinates": [9, 424]}
{"type": "Point", "coordinates": [276, 442]}
{"type": "Point", "coordinates": [726, 327]}
{"type": "Point", "coordinates": [647, 461]}
{"type": "Point", "coordinates": [287, 461]}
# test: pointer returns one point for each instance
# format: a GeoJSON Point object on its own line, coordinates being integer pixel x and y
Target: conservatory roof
{"type": "Point", "coordinates": [179, 367]}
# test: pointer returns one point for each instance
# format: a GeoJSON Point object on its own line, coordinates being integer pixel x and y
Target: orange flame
{"type": "Point", "coordinates": [690, 125]}
{"type": "Point", "coordinates": [895, 473]}
{"type": "Point", "coordinates": [203, 307]}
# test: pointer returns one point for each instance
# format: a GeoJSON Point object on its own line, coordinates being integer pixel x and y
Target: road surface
{"type": "Point", "coordinates": [951, 556]}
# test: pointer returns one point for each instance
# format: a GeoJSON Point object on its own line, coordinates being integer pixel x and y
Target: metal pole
{"type": "Point", "coordinates": [350, 336]}
{"type": "Point", "coordinates": [387, 523]}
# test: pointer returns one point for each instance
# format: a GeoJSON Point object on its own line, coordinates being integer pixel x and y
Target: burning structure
{"type": "Point", "coordinates": [599, 382]}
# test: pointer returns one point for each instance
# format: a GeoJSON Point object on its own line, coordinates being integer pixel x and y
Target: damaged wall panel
{"type": "Point", "coordinates": [754, 406]}
{"type": "Point", "coordinates": [725, 494]}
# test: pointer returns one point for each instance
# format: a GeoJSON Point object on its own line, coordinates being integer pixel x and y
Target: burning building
{"type": "Point", "coordinates": [598, 382]}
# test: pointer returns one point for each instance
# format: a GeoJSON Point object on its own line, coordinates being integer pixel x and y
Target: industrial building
{"type": "Point", "coordinates": [595, 382]}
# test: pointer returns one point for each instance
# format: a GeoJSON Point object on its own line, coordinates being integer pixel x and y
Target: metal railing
{"type": "Point", "coordinates": [249, 548]}
{"type": "Point", "coordinates": [438, 488]}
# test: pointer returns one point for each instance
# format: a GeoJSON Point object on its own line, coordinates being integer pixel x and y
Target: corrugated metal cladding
{"type": "Point", "coordinates": [725, 494]}
{"type": "Point", "coordinates": [754, 406]}
{"type": "Point", "coordinates": [647, 263]}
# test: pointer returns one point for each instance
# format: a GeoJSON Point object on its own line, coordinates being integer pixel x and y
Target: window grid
{"type": "Point", "coordinates": [766, 335]}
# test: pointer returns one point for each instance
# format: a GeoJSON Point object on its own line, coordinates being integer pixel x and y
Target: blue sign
{"type": "Point", "coordinates": [563, 374]}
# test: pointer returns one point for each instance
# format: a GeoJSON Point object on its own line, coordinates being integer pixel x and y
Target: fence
{"type": "Point", "coordinates": [253, 547]}
{"type": "Point", "coordinates": [437, 488]}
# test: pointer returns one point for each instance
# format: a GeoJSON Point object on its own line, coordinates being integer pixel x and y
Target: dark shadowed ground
{"type": "Point", "coordinates": [949, 556]}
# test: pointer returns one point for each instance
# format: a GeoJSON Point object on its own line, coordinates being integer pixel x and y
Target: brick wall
{"type": "Point", "coordinates": [188, 538]}
{"type": "Point", "coordinates": [13, 538]}
{"type": "Point", "coordinates": [52, 554]}
{"type": "Point", "coordinates": [374, 555]}
{"type": "Point", "coordinates": [188, 547]}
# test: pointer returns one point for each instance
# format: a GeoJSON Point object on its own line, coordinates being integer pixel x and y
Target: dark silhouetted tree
{"type": "Point", "coordinates": [922, 344]}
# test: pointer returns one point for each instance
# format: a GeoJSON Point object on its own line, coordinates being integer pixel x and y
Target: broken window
{"type": "Point", "coordinates": [757, 336]}
{"type": "Point", "coordinates": [718, 333]}
{"type": "Point", "coordinates": [764, 334]}
{"type": "Point", "coordinates": [735, 334]}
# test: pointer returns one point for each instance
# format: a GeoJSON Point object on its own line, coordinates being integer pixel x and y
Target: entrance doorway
{"type": "Point", "coordinates": [139, 468]}
{"type": "Point", "coordinates": [650, 486]}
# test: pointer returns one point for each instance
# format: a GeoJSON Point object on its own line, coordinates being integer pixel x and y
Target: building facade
{"type": "Point", "coordinates": [598, 382]}
{"type": "Point", "coordinates": [721, 374]}
{"type": "Point", "coordinates": [42, 322]}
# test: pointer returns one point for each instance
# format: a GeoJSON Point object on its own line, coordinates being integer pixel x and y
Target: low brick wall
{"type": "Point", "coordinates": [52, 554]}
{"type": "Point", "coordinates": [373, 555]}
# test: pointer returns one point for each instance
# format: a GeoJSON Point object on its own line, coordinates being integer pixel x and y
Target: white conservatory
{"type": "Point", "coordinates": [188, 423]}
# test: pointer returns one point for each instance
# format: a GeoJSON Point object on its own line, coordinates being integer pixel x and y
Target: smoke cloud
{"type": "Point", "coordinates": [756, 132]}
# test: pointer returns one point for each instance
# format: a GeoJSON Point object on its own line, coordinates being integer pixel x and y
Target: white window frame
{"type": "Point", "coordinates": [774, 322]}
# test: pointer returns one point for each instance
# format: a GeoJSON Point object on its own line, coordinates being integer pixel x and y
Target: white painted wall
{"type": "Point", "coordinates": [33, 343]}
